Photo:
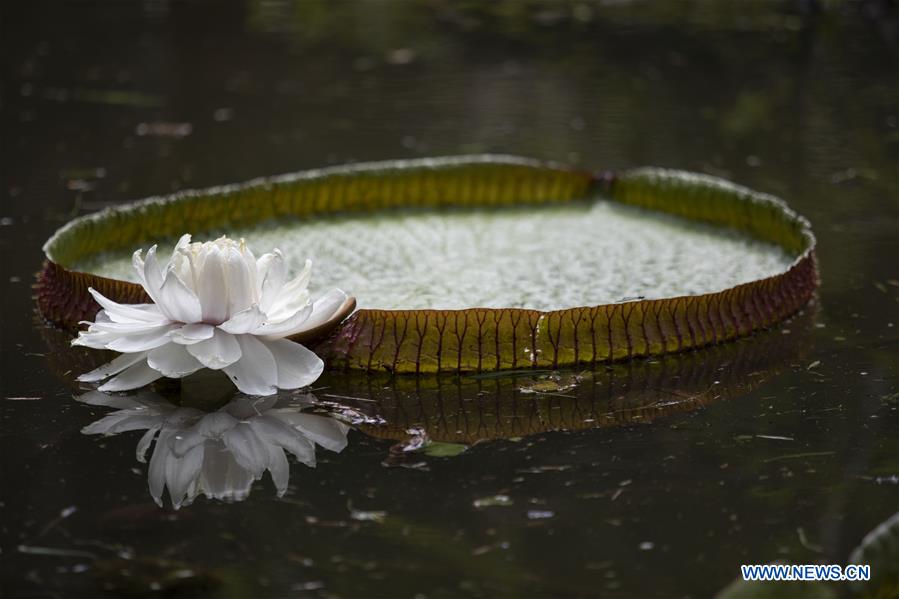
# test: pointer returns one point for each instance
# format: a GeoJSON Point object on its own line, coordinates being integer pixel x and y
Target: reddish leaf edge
{"type": "Point", "coordinates": [474, 339]}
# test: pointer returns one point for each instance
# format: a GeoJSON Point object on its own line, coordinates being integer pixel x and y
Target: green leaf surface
{"type": "Point", "coordinates": [488, 306]}
{"type": "Point", "coordinates": [443, 450]}
{"type": "Point", "coordinates": [880, 550]}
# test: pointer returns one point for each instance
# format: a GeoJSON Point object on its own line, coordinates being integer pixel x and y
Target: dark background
{"type": "Point", "coordinates": [103, 102]}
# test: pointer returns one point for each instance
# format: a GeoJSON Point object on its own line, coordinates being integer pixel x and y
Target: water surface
{"type": "Point", "coordinates": [795, 460]}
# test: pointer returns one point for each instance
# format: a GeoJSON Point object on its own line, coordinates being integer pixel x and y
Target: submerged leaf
{"type": "Point", "coordinates": [880, 550]}
{"type": "Point", "coordinates": [443, 450]}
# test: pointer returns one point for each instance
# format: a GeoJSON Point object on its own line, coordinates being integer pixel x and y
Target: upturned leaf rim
{"type": "Point", "coordinates": [471, 339]}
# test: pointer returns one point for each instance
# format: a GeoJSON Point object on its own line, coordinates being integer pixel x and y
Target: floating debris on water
{"type": "Point", "coordinates": [347, 414]}
{"type": "Point", "coordinates": [400, 56]}
{"type": "Point", "coordinates": [368, 515]}
{"type": "Point", "coordinates": [543, 469]}
{"type": "Point", "coordinates": [162, 129]}
{"type": "Point", "coordinates": [794, 456]}
{"type": "Point", "coordinates": [312, 585]}
{"type": "Point", "coordinates": [54, 551]}
{"type": "Point", "coordinates": [540, 514]}
{"type": "Point", "coordinates": [553, 383]}
{"type": "Point", "coordinates": [112, 97]}
{"type": "Point", "coordinates": [223, 114]}
{"type": "Point", "coordinates": [418, 438]}
{"type": "Point", "coordinates": [493, 501]}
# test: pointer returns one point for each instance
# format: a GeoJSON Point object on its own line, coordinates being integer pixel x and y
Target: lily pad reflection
{"type": "Point", "coordinates": [439, 416]}
{"type": "Point", "coordinates": [210, 441]}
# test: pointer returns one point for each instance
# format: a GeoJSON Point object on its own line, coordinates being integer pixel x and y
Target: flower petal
{"type": "Point", "coordinates": [179, 300]}
{"type": "Point", "coordinates": [289, 326]}
{"type": "Point", "coordinates": [185, 441]}
{"type": "Point", "coordinates": [180, 263]}
{"type": "Point", "coordinates": [297, 365]}
{"type": "Point", "coordinates": [277, 432]}
{"type": "Point", "coordinates": [107, 424]}
{"type": "Point", "coordinates": [144, 444]}
{"type": "Point", "coordinates": [120, 402]}
{"type": "Point", "coordinates": [212, 284]}
{"type": "Point", "coordinates": [135, 376]}
{"type": "Point", "coordinates": [192, 333]}
{"type": "Point", "coordinates": [240, 272]}
{"type": "Point", "coordinates": [256, 373]}
{"type": "Point", "coordinates": [137, 421]}
{"type": "Point", "coordinates": [141, 341]}
{"type": "Point", "coordinates": [246, 321]}
{"type": "Point", "coordinates": [173, 361]}
{"type": "Point", "coordinates": [324, 308]}
{"type": "Point", "coordinates": [182, 244]}
{"type": "Point", "coordinates": [151, 277]}
{"type": "Point", "coordinates": [279, 469]}
{"type": "Point", "coordinates": [222, 477]}
{"type": "Point", "coordinates": [114, 367]}
{"type": "Point", "coordinates": [214, 425]}
{"type": "Point", "coordinates": [271, 272]}
{"type": "Point", "coordinates": [182, 418]}
{"type": "Point", "coordinates": [248, 449]}
{"type": "Point", "coordinates": [156, 470]}
{"type": "Point", "coordinates": [93, 339]}
{"type": "Point", "coordinates": [292, 296]}
{"type": "Point", "coordinates": [220, 350]}
{"type": "Point", "coordinates": [101, 316]}
{"type": "Point", "coordinates": [139, 265]}
{"type": "Point", "coordinates": [128, 312]}
{"type": "Point", "coordinates": [181, 473]}
{"type": "Point", "coordinates": [118, 329]}
{"type": "Point", "coordinates": [327, 432]}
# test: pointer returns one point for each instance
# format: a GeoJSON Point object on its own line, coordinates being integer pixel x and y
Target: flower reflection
{"type": "Point", "coordinates": [218, 454]}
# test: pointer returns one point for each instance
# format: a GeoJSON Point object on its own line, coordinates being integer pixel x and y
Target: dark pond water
{"type": "Point", "coordinates": [656, 479]}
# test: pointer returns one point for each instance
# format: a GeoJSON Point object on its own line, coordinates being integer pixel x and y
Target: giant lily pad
{"type": "Point", "coordinates": [482, 263]}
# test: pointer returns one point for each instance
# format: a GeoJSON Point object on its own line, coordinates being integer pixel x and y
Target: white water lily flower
{"type": "Point", "coordinates": [218, 454]}
{"type": "Point", "coordinates": [214, 306]}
